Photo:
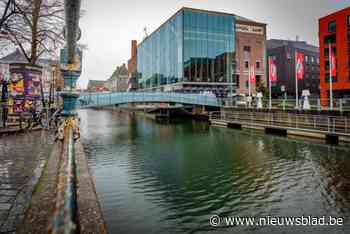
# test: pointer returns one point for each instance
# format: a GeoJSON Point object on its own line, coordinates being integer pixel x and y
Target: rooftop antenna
{"type": "Point", "coordinates": [145, 32]}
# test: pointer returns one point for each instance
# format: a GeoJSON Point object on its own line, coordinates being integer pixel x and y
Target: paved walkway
{"type": "Point", "coordinates": [22, 158]}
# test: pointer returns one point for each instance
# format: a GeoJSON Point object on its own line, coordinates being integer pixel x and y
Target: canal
{"type": "Point", "coordinates": [156, 177]}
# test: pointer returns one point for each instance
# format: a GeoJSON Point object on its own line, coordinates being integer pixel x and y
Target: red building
{"type": "Point", "coordinates": [334, 30]}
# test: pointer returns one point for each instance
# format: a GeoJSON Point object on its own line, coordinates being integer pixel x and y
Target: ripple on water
{"type": "Point", "coordinates": [161, 178]}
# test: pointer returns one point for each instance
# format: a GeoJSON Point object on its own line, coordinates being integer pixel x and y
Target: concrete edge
{"type": "Point", "coordinates": [290, 133]}
{"type": "Point", "coordinates": [38, 217]}
{"type": "Point", "coordinates": [90, 216]}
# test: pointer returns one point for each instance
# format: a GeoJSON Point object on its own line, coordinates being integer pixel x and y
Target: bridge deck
{"type": "Point", "coordinates": [106, 99]}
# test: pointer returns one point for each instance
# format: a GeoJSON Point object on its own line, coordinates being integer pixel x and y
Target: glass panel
{"type": "Point", "coordinates": [192, 46]}
{"type": "Point", "coordinates": [160, 56]}
{"type": "Point", "coordinates": [208, 47]}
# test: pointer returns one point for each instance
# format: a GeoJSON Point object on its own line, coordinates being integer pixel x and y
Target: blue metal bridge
{"type": "Point", "coordinates": [107, 99]}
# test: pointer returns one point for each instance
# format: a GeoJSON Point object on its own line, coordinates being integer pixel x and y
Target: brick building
{"type": "Point", "coordinates": [250, 50]}
{"type": "Point", "coordinates": [284, 53]}
{"type": "Point", "coordinates": [334, 30]}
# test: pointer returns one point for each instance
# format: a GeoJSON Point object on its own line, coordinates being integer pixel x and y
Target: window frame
{"type": "Point", "coordinates": [330, 28]}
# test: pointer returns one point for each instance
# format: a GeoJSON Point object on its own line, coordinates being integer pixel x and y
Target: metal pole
{"type": "Point", "coordinates": [270, 94]}
{"type": "Point", "coordinates": [330, 78]}
{"type": "Point", "coordinates": [296, 83]}
{"type": "Point", "coordinates": [249, 87]}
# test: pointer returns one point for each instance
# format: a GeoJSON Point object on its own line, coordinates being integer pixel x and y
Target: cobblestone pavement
{"type": "Point", "coordinates": [22, 158]}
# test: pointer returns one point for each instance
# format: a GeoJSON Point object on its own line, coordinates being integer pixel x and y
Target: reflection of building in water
{"type": "Point", "coordinates": [195, 51]}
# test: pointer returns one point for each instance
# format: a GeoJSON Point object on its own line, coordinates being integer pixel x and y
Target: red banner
{"type": "Point", "coordinates": [333, 65]}
{"type": "Point", "coordinates": [252, 76]}
{"type": "Point", "coordinates": [299, 63]}
{"type": "Point", "coordinates": [272, 70]}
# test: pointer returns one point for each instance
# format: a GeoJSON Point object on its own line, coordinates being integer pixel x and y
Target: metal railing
{"type": "Point", "coordinates": [289, 104]}
{"type": "Point", "coordinates": [111, 98]}
{"type": "Point", "coordinates": [105, 99]}
{"type": "Point", "coordinates": [306, 122]}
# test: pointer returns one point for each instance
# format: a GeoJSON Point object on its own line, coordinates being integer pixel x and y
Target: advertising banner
{"type": "Point", "coordinates": [24, 88]}
{"type": "Point", "coordinates": [299, 57]}
{"type": "Point", "coordinates": [32, 85]}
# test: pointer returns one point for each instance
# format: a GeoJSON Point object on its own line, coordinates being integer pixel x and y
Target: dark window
{"type": "Point", "coordinates": [246, 84]}
{"type": "Point", "coordinates": [349, 20]}
{"type": "Point", "coordinates": [246, 48]}
{"type": "Point", "coordinates": [330, 39]}
{"type": "Point", "coordinates": [237, 80]}
{"type": "Point", "coordinates": [334, 78]}
{"type": "Point", "coordinates": [258, 79]}
{"type": "Point", "coordinates": [332, 27]}
{"type": "Point", "coordinates": [258, 65]}
{"type": "Point", "coordinates": [246, 64]}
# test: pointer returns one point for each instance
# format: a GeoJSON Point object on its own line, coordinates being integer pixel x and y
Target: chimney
{"type": "Point", "coordinates": [133, 49]}
{"type": "Point", "coordinates": [297, 38]}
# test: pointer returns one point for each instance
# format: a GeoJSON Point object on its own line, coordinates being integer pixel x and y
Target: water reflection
{"type": "Point", "coordinates": [158, 177]}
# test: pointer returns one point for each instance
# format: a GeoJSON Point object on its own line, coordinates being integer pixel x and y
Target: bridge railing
{"type": "Point", "coordinates": [315, 123]}
{"type": "Point", "coordinates": [111, 98]}
{"type": "Point", "coordinates": [105, 99]}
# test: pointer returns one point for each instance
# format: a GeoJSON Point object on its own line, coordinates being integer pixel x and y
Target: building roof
{"type": "Point", "coordinates": [302, 45]}
{"type": "Point", "coordinates": [238, 18]}
{"type": "Point", "coordinates": [119, 71]}
{"type": "Point", "coordinates": [344, 10]}
{"type": "Point", "coordinates": [96, 82]}
{"type": "Point", "coordinates": [18, 57]}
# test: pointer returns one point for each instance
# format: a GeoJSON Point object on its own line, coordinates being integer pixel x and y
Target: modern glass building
{"type": "Point", "coordinates": [191, 52]}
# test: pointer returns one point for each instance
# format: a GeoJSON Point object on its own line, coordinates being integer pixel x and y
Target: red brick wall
{"type": "Point", "coordinates": [342, 55]}
{"type": "Point", "coordinates": [132, 63]}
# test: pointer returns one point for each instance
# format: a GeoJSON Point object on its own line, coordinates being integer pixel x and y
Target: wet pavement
{"type": "Point", "coordinates": [22, 159]}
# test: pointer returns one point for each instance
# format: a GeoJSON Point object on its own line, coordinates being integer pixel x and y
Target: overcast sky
{"type": "Point", "coordinates": [109, 25]}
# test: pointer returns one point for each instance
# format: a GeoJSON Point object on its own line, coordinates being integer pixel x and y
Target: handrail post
{"type": "Point", "coordinates": [341, 105]}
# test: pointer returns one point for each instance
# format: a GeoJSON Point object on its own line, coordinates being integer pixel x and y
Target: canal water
{"type": "Point", "coordinates": [156, 177]}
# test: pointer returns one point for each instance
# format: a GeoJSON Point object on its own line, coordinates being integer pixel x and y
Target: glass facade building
{"type": "Point", "coordinates": [195, 48]}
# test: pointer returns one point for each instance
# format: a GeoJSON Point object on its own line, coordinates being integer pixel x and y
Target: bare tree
{"type": "Point", "coordinates": [36, 28]}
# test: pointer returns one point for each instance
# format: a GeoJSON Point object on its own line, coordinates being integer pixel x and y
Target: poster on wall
{"type": "Point", "coordinates": [25, 88]}
{"type": "Point", "coordinates": [16, 91]}
{"type": "Point", "coordinates": [32, 86]}
{"type": "Point", "coordinates": [18, 105]}
{"type": "Point", "coordinates": [29, 105]}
